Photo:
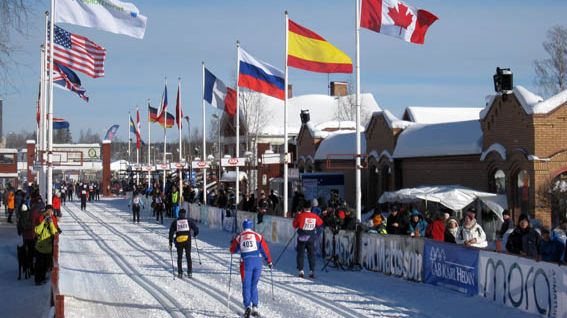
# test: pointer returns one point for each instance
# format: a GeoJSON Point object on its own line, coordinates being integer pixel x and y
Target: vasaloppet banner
{"type": "Point", "coordinates": [451, 266]}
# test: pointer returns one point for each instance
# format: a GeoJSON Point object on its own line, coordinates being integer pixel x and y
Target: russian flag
{"type": "Point", "coordinates": [218, 95]}
{"type": "Point", "coordinates": [60, 123]}
{"type": "Point", "coordinates": [260, 76]}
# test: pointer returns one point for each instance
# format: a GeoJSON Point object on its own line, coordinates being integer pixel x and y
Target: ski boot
{"type": "Point", "coordinates": [301, 274]}
{"type": "Point", "coordinates": [190, 275]}
{"type": "Point", "coordinates": [311, 275]}
{"type": "Point", "coordinates": [247, 313]}
{"type": "Point", "coordinates": [180, 275]}
{"type": "Point", "coordinates": [254, 312]}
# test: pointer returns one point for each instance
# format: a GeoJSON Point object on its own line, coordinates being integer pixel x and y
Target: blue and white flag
{"type": "Point", "coordinates": [111, 132]}
{"type": "Point", "coordinates": [60, 123]}
{"type": "Point", "coordinates": [108, 15]}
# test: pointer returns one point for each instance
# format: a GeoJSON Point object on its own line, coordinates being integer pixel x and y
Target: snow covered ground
{"type": "Point", "coordinates": [113, 268]}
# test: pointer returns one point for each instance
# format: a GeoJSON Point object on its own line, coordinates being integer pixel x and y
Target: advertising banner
{"type": "Point", "coordinates": [344, 244]}
{"type": "Point", "coordinates": [535, 287]}
{"type": "Point", "coordinates": [451, 266]}
{"type": "Point", "coordinates": [396, 255]}
{"type": "Point", "coordinates": [214, 220]}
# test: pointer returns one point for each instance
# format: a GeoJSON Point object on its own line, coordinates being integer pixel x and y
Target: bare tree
{"type": "Point", "coordinates": [346, 110]}
{"type": "Point", "coordinates": [551, 73]}
{"type": "Point", "coordinates": [14, 18]}
{"type": "Point", "coordinates": [254, 116]}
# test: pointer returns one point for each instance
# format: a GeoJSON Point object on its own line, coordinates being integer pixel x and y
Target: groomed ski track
{"type": "Point", "coordinates": [111, 267]}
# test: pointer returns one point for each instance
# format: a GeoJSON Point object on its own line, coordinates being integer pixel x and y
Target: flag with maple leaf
{"type": "Point", "coordinates": [396, 18]}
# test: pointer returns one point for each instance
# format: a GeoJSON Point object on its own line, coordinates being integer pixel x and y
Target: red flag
{"type": "Point", "coordinates": [397, 19]}
{"type": "Point", "coordinates": [37, 109]}
{"type": "Point", "coordinates": [178, 110]}
{"type": "Point", "coordinates": [138, 136]}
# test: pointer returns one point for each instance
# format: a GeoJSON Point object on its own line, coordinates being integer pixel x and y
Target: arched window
{"type": "Point", "coordinates": [499, 181]}
{"type": "Point", "coordinates": [558, 193]}
{"type": "Point", "coordinates": [522, 197]}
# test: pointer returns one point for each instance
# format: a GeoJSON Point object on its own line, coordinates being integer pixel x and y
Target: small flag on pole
{"type": "Point", "coordinates": [178, 110]}
{"type": "Point", "coordinates": [218, 95]}
{"type": "Point", "coordinates": [65, 78]}
{"type": "Point", "coordinates": [111, 132]}
{"type": "Point", "coordinates": [60, 123]}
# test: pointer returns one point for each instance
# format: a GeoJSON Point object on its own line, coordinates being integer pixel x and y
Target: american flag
{"type": "Point", "coordinates": [78, 53]}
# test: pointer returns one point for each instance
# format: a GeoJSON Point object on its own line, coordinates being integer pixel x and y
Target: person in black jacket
{"type": "Point", "coordinates": [395, 222]}
{"type": "Point", "coordinates": [182, 228]}
{"type": "Point", "coordinates": [524, 240]}
{"type": "Point", "coordinates": [507, 224]}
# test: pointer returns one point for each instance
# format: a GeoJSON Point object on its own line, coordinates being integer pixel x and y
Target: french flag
{"type": "Point", "coordinates": [218, 95]}
{"type": "Point", "coordinates": [260, 76]}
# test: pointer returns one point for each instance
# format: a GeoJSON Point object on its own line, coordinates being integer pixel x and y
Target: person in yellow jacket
{"type": "Point", "coordinates": [45, 233]}
{"type": "Point", "coordinates": [175, 201]}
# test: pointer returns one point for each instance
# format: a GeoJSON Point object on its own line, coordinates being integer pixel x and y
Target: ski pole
{"type": "Point", "coordinates": [198, 254]}
{"type": "Point", "coordinates": [172, 268]}
{"type": "Point", "coordinates": [272, 279]}
{"type": "Point", "coordinates": [229, 281]}
{"type": "Point", "coordinates": [285, 248]}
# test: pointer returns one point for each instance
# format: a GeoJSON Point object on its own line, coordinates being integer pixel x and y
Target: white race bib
{"type": "Point", "coordinates": [248, 243]}
{"type": "Point", "coordinates": [309, 224]}
{"type": "Point", "coordinates": [182, 225]}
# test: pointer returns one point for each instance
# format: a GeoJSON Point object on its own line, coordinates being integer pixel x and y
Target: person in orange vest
{"type": "Point", "coordinates": [11, 205]}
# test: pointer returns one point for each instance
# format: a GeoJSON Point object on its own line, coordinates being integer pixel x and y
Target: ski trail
{"type": "Point", "coordinates": [215, 293]}
{"type": "Point", "coordinates": [169, 304]}
{"type": "Point", "coordinates": [314, 301]}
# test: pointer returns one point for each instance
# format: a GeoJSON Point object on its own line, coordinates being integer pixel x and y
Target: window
{"type": "Point", "coordinates": [523, 191]}
{"type": "Point", "coordinates": [500, 182]}
{"type": "Point", "coordinates": [7, 158]}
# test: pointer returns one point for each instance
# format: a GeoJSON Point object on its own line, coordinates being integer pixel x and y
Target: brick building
{"type": "Point", "coordinates": [515, 146]}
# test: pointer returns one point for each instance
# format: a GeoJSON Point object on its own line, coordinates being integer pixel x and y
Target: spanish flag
{"type": "Point", "coordinates": [309, 51]}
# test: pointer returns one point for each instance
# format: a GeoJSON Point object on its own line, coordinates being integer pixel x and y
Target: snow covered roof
{"type": "Point", "coordinates": [437, 115]}
{"type": "Point", "coordinates": [446, 139]}
{"type": "Point", "coordinates": [119, 165]}
{"type": "Point", "coordinates": [339, 142]}
{"type": "Point", "coordinates": [315, 132]}
{"type": "Point", "coordinates": [531, 103]}
{"type": "Point", "coordinates": [337, 125]}
{"type": "Point", "coordinates": [322, 108]}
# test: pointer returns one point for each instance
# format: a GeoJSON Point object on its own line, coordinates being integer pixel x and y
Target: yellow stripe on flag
{"type": "Point", "coordinates": [315, 50]}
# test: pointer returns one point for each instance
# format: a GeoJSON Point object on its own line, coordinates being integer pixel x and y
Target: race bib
{"type": "Point", "coordinates": [248, 243]}
{"type": "Point", "coordinates": [136, 200]}
{"type": "Point", "coordinates": [182, 225]}
{"type": "Point", "coordinates": [309, 224]}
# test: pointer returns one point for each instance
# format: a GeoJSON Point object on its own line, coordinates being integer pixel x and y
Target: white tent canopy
{"type": "Point", "coordinates": [453, 197]}
{"type": "Point", "coordinates": [230, 176]}
{"type": "Point", "coordinates": [119, 165]}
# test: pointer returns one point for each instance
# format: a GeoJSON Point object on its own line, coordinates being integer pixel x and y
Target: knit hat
{"type": "Point", "coordinates": [314, 203]}
{"type": "Point", "coordinates": [523, 217]}
{"type": "Point", "coordinates": [24, 208]}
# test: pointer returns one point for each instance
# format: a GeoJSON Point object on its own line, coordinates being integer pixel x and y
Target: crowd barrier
{"type": "Point", "coordinates": [534, 287]}
{"type": "Point", "coordinates": [57, 299]}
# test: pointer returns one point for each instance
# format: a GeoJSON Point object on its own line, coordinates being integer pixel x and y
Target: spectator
{"type": "Point", "coordinates": [451, 230]}
{"type": "Point", "coordinates": [56, 201]}
{"type": "Point", "coordinates": [395, 222]}
{"type": "Point", "coordinates": [315, 208]}
{"type": "Point", "coordinates": [349, 220]}
{"type": "Point", "coordinates": [507, 224]}
{"type": "Point", "coordinates": [11, 204]}
{"type": "Point", "coordinates": [436, 230]}
{"type": "Point", "coordinates": [263, 206]}
{"type": "Point", "coordinates": [45, 231]}
{"type": "Point", "coordinates": [471, 233]}
{"type": "Point", "coordinates": [417, 224]}
{"type": "Point", "coordinates": [524, 240]}
{"type": "Point", "coordinates": [274, 200]}
{"type": "Point", "coordinates": [550, 250]}
{"type": "Point", "coordinates": [378, 225]}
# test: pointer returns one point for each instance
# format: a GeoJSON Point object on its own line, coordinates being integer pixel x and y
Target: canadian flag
{"type": "Point", "coordinates": [397, 19]}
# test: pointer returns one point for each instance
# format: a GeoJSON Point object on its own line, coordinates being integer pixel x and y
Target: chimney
{"type": "Point", "coordinates": [339, 88]}
{"type": "Point", "coordinates": [289, 91]}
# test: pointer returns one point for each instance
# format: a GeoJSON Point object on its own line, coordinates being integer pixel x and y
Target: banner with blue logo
{"type": "Point", "coordinates": [451, 266]}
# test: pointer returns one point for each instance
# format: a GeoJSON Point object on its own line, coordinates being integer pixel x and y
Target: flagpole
{"type": "Point", "coordinates": [44, 107]}
{"type": "Point", "coordinates": [180, 124]}
{"type": "Point", "coordinates": [358, 144]}
{"type": "Point", "coordinates": [204, 135]}
{"type": "Point", "coordinates": [137, 149]}
{"type": "Point", "coordinates": [237, 153]}
{"type": "Point", "coordinates": [41, 124]}
{"type": "Point", "coordinates": [50, 109]}
{"type": "Point", "coordinates": [285, 189]}
{"type": "Point", "coordinates": [164, 164]}
{"type": "Point", "coordinates": [149, 147]}
{"type": "Point", "coordinates": [129, 136]}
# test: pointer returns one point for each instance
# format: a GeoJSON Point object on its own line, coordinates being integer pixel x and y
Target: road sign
{"type": "Point", "coordinates": [233, 162]}
{"type": "Point", "coordinates": [179, 165]}
{"type": "Point", "coordinates": [164, 166]}
{"type": "Point", "coordinates": [274, 159]}
{"type": "Point", "coordinates": [200, 165]}
{"type": "Point", "coordinates": [149, 168]}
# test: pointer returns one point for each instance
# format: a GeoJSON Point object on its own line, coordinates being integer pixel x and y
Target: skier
{"type": "Point", "coordinates": [305, 222]}
{"type": "Point", "coordinates": [182, 228]}
{"type": "Point", "coordinates": [136, 202]}
{"type": "Point", "coordinates": [252, 248]}
{"type": "Point", "coordinates": [84, 194]}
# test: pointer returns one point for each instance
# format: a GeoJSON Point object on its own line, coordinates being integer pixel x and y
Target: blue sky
{"type": "Point", "coordinates": [453, 68]}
